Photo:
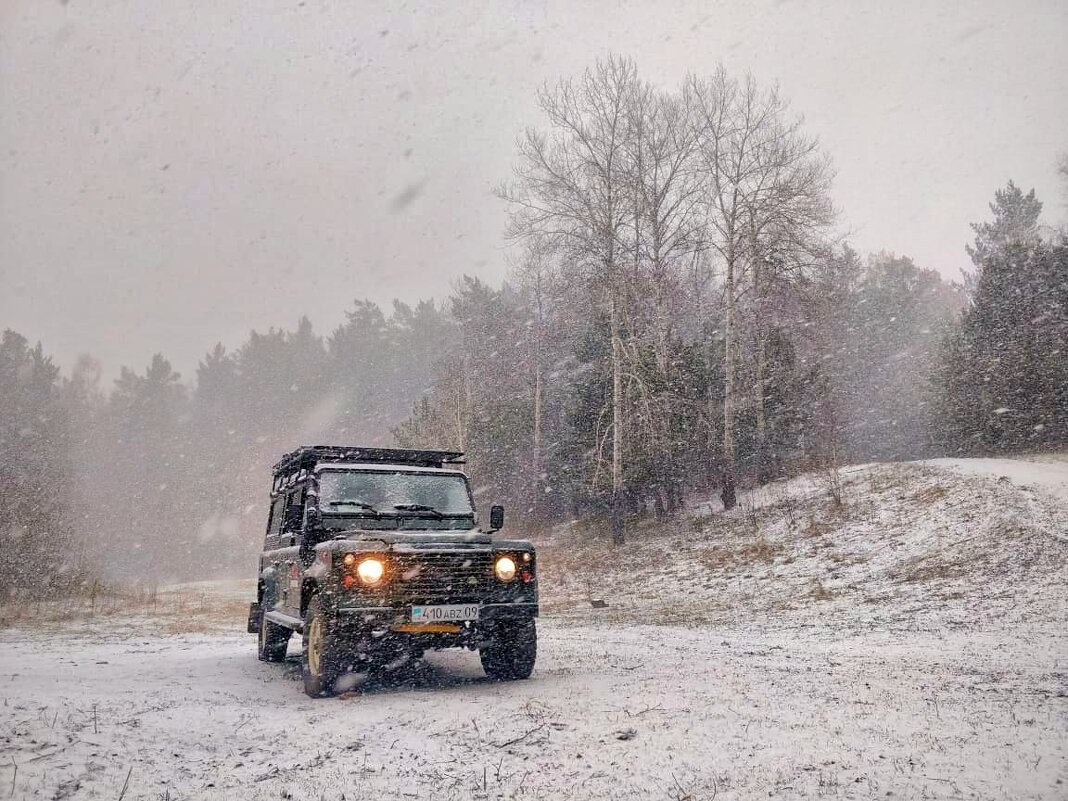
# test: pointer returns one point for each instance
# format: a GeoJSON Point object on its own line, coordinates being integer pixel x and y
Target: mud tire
{"type": "Point", "coordinates": [319, 662]}
{"type": "Point", "coordinates": [273, 640]}
{"type": "Point", "coordinates": [512, 653]}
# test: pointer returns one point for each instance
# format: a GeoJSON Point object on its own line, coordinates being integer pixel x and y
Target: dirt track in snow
{"type": "Point", "coordinates": [611, 712]}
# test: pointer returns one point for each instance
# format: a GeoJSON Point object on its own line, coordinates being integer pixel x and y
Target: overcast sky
{"type": "Point", "coordinates": [179, 173]}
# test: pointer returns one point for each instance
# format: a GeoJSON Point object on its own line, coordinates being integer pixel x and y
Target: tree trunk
{"type": "Point", "coordinates": [710, 443]}
{"type": "Point", "coordinates": [537, 501]}
{"type": "Point", "coordinates": [535, 454]}
{"type": "Point", "coordinates": [659, 506]}
{"type": "Point", "coordinates": [763, 461]}
{"type": "Point", "coordinates": [662, 323]}
{"type": "Point", "coordinates": [763, 455]}
{"type": "Point", "coordinates": [729, 345]}
{"type": "Point", "coordinates": [463, 395]}
{"type": "Point", "coordinates": [618, 536]}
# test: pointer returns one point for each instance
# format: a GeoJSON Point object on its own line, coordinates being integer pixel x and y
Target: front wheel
{"type": "Point", "coordinates": [319, 663]}
{"type": "Point", "coordinates": [512, 653]}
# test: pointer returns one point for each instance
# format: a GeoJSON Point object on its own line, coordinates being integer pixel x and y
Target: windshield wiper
{"type": "Point", "coordinates": [418, 507]}
{"type": "Point", "coordinates": [359, 504]}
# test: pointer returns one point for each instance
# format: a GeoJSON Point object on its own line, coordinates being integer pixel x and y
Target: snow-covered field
{"type": "Point", "coordinates": [911, 643]}
{"type": "Point", "coordinates": [611, 712]}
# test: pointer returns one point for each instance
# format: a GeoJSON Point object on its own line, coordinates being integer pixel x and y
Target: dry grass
{"type": "Point", "coordinates": [172, 611]}
{"type": "Point", "coordinates": [931, 494]}
{"type": "Point", "coordinates": [851, 558]}
{"type": "Point", "coordinates": [819, 592]}
{"type": "Point", "coordinates": [816, 528]}
{"type": "Point", "coordinates": [750, 517]}
{"type": "Point", "coordinates": [929, 567]}
{"type": "Point", "coordinates": [558, 560]}
{"type": "Point", "coordinates": [734, 556]}
{"type": "Point", "coordinates": [700, 523]}
{"type": "Point", "coordinates": [894, 476]}
{"type": "Point", "coordinates": [569, 570]}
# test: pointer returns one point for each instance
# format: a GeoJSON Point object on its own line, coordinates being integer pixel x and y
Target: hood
{"type": "Point", "coordinates": [398, 540]}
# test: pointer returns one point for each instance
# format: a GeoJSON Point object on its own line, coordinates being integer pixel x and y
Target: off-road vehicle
{"type": "Point", "coordinates": [375, 555]}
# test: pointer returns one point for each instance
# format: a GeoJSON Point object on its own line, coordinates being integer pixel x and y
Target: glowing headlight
{"type": "Point", "coordinates": [504, 568]}
{"type": "Point", "coordinates": [370, 571]}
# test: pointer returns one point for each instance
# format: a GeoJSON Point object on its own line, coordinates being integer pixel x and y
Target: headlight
{"type": "Point", "coordinates": [504, 568]}
{"type": "Point", "coordinates": [370, 571]}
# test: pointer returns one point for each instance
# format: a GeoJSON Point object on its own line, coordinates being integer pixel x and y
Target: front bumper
{"type": "Point", "coordinates": [384, 616]}
{"type": "Point", "coordinates": [255, 615]}
{"type": "Point", "coordinates": [378, 635]}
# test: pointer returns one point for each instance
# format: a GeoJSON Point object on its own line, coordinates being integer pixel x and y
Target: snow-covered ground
{"type": "Point", "coordinates": [1046, 472]}
{"type": "Point", "coordinates": [611, 712]}
{"type": "Point", "coordinates": [911, 643]}
{"type": "Point", "coordinates": [911, 546]}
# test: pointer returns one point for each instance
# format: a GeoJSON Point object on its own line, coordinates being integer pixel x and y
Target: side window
{"type": "Point", "coordinates": [294, 513]}
{"type": "Point", "coordinates": [274, 520]}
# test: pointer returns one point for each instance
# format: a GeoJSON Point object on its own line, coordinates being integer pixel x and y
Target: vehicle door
{"type": "Point", "coordinates": [270, 576]}
{"type": "Point", "coordinates": [289, 553]}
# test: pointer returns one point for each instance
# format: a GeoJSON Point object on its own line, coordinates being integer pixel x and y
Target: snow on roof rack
{"type": "Point", "coordinates": [307, 456]}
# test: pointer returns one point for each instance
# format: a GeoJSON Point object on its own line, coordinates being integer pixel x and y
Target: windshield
{"type": "Point", "coordinates": [393, 492]}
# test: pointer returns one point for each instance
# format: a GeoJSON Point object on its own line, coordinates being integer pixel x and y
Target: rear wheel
{"type": "Point", "coordinates": [273, 640]}
{"type": "Point", "coordinates": [319, 662]}
{"type": "Point", "coordinates": [512, 653]}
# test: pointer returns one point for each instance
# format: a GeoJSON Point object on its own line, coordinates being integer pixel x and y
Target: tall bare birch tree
{"type": "Point", "coordinates": [570, 184]}
{"type": "Point", "coordinates": [787, 220]}
{"type": "Point", "coordinates": [667, 220]}
{"type": "Point", "coordinates": [537, 274]}
{"type": "Point", "coordinates": [764, 181]}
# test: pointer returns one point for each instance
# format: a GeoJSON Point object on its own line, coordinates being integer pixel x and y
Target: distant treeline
{"type": "Point", "coordinates": [677, 320]}
{"type": "Point", "coordinates": [157, 479]}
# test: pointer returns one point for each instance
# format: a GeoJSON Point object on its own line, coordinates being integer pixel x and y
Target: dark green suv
{"type": "Point", "coordinates": [375, 555]}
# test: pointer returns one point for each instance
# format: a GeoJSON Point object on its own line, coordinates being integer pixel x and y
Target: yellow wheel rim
{"type": "Point", "coordinates": [315, 644]}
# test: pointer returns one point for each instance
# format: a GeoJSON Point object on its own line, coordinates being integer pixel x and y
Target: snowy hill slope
{"type": "Point", "coordinates": [948, 542]}
{"type": "Point", "coordinates": [1047, 473]}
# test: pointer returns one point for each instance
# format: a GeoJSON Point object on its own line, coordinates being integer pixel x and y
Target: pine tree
{"type": "Point", "coordinates": [35, 483]}
{"type": "Point", "coordinates": [1002, 375]}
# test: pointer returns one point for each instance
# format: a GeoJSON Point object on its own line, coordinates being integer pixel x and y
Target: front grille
{"type": "Point", "coordinates": [443, 577]}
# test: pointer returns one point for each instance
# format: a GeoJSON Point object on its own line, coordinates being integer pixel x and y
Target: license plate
{"type": "Point", "coordinates": [450, 613]}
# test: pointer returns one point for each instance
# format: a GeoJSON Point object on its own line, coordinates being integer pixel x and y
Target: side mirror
{"type": "Point", "coordinates": [496, 518]}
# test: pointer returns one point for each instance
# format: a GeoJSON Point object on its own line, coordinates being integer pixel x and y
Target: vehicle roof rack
{"type": "Point", "coordinates": [307, 456]}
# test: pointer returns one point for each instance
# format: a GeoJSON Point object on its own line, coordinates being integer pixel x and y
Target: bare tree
{"type": "Point", "coordinates": [765, 187]}
{"type": "Point", "coordinates": [537, 272]}
{"type": "Point", "coordinates": [787, 235]}
{"type": "Point", "coordinates": [571, 185]}
{"type": "Point", "coordinates": [667, 221]}
{"type": "Point", "coordinates": [667, 204]}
